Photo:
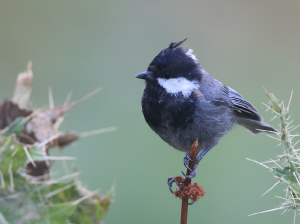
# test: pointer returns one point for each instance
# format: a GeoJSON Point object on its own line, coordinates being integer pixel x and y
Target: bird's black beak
{"type": "Point", "coordinates": [145, 75]}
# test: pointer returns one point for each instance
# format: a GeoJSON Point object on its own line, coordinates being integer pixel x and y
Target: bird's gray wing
{"type": "Point", "coordinates": [246, 114]}
{"type": "Point", "coordinates": [241, 107]}
{"type": "Point", "coordinates": [218, 96]}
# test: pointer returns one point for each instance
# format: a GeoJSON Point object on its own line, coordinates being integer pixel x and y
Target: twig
{"type": "Point", "coordinates": [184, 206]}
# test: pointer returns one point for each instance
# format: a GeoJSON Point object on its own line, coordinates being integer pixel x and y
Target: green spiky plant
{"type": "Point", "coordinates": [286, 168]}
{"type": "Point", "coordinates": [28, 193]}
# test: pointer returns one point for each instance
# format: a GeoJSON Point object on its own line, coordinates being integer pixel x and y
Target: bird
{"type": "Point", "coordinates": [182, 102]}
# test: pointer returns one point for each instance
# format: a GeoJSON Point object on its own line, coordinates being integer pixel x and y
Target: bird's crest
{"type": "Point", "coordinates": [173, 45]}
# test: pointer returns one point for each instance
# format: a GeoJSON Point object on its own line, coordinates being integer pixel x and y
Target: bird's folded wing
{"type": "Point", "coordinates": [241, 107]}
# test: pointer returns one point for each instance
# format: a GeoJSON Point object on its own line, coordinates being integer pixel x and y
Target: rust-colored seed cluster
{"type": "Point", "coordinates": [194, 192]}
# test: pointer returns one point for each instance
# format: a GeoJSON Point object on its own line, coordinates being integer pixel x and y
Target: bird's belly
{"type": "Point", "coordinates": [181, 126]}
{"type": "Point", "coordinates": [183, 138]}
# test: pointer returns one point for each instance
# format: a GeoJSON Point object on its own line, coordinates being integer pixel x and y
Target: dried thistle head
{"type": "Point", "coordinates": [27, 188]}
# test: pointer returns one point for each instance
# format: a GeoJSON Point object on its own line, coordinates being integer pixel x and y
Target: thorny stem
{"type": "Point", "coordinates": [184, 205]}
{"type": "Point", "coordinates": [288, 171]}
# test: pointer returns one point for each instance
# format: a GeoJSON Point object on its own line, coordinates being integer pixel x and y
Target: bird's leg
{"type": "Point", "coordinates": [186, 160]}
{"type": "Point", "coordinates": [202, 154]}
{"type": "Point", "coordinates": [197, 160]}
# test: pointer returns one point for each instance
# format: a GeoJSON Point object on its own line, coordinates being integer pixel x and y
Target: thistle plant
{"type": "Point", "coordinates": [29, 194]}
{"type": "Point", "coordinates": [286, 167]}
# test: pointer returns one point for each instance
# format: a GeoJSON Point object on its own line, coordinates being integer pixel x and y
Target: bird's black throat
{"type": "Point", "coordinates": [165, 110]}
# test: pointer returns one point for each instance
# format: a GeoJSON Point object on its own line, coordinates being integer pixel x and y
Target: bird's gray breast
{"type": "Point", "coordinates": [180, 120]}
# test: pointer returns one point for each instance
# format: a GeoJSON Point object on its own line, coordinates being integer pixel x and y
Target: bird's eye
{"type": "Point", "coordinates": [167, 75]}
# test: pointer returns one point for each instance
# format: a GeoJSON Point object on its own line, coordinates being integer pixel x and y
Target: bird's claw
{"type": "Point", "coordinates": [186, 160]}
{"type": "Point", "coordinates": [186, 166]}
{"type": "Point", "coordinates": [192, 174]}
{"type": "Point", "coordinates": [192, 202]}
{"type": "Point", "coordinates": [171, 180]}
{"type": "Point", "coordinates": [187, 155]}
{"type": "Point", "coordinates": [196, 162]}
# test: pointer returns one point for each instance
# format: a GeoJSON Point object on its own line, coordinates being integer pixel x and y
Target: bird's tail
{"type": "Point", "coordinates": [256, 127]}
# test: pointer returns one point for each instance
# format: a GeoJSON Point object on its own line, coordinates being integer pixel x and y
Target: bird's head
{"type": "Point", "coordinates": [174, 68]}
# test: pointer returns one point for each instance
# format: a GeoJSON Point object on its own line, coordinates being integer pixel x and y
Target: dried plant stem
{"type": "Point", "coordinates": [184, 205]}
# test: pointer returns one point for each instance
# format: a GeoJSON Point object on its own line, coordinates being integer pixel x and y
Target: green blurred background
{"type": "Point", "coordinates": [80, 45]}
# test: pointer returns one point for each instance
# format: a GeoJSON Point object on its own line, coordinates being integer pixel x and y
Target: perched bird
{"type": "Point", "coordinates": [182, 102]}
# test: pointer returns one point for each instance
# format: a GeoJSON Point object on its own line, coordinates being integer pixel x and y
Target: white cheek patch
{"type": "Point", "coordinates": [190, 54]}
{"type": "Point", "coordinates": [178, 85]}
